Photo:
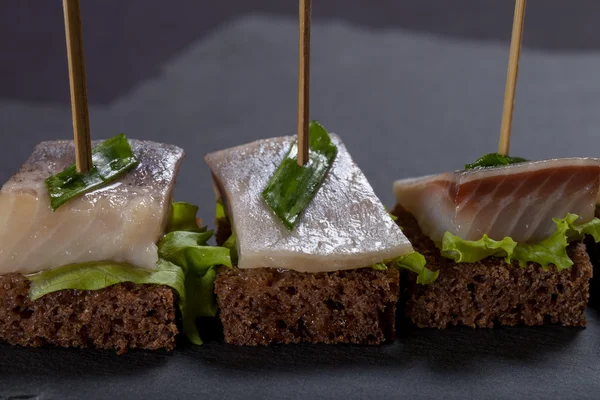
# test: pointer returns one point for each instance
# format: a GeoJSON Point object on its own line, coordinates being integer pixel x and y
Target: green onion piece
{"type": "Point", "coordinates": [293, 187]}
{"type": "Point", "coordinates": [494, 160]}
{"type": "Point", "coordinates": [110, 160]}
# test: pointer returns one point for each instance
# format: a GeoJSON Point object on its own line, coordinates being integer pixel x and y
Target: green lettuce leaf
{"type": "Point", "coordinates": [379, 267]}
{"type": "Point", "coordinates": [415, 262]}
{"type": "Point", "coordinates": [494, 160]}
{"type": "Point", "coordinates": [553, 250]}
{"type": "Point", "coordinates": [231, 244]}
{"type": "Point", "coordinates": [189, 251]}
{"type": "Point", "coordinates": [550, 251]}
{"type": "Point", "coordinates": [183, 218]}
{"type": "Point", "coordinates": [220, 212]}
{"type": "Point", "coordinates": [577, 232]}
{"type": "Point", "coordinates": [187, 248]}
{"type": "Point", "coordinates": [102, 274]}
{"type": "Point", "coordinates": [461, 250]}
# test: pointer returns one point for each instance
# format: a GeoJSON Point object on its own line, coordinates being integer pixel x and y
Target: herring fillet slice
{"type": "Point", "coordinates": [345, 226]}
{"type": "Point", "coordinates": [119, 222]}
{"type": "Point", "coordinates": [517, 200]}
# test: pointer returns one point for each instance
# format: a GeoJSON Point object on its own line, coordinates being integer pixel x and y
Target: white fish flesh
{"type": "Point", "coordinates": [517, 200]}
{"type": "Point", "coordinates": [120, 222]}
{"type": "Point", "coordinates": [345, 226]}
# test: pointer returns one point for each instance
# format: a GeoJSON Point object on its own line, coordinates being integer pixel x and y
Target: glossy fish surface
{"type": "Point", "coordinates": [345, 226]}
{"type": "Point", "coordinates": [119, 222]}
{"type": "Point", "coordinates": [517, 200]}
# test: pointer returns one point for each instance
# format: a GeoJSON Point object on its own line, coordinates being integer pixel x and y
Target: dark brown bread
{"type": "Point", "coordinates": [120, 317]}
{"type": "Point", "coordinates": [491, 292]}
{"type": "Point", "coordinates": [264, 306]}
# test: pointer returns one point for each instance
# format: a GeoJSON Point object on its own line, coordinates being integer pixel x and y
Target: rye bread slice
{"type": "Point", "coordinates": [264, 306]}
{"type": "Point", "coordinates": [491, 292]}
{"type": "Point", "coordinates": [120, 317]}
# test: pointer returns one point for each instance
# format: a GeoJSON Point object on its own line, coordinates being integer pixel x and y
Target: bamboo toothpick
{"type": "Point", "coordinates": [79, 105]}
{"type": "Point", "coordinates": [511, 77]}
{"type": "Point", "coordinates": [303, 80]}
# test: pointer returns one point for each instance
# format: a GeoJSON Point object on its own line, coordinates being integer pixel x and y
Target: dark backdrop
{"type": "Point", "coordinates": [129, 40]}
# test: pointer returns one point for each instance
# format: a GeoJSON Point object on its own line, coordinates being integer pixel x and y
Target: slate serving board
{"type": "Point", "coordinates": [547, 362]}
{"type": "Point", "coordinates": [405, 105]}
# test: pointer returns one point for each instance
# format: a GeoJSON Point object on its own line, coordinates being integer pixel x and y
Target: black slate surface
{"type": "Point", "coordinates": [405, 104]}
{"type": "Point", "coordinates": [547, 362]}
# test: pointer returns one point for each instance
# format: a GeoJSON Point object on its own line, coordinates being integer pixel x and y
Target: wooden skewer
{"type": "Point", "coordinates": [511, 77]}
{"type": "Point", "coordinates": [79, 104]}
{"type": "Point", "coordinates": [303, 80]}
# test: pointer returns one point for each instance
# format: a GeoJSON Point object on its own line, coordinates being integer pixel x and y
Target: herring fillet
{"type": "Point", "coordinates": [119, 222]}
{"type": "Point", "coordinates": [517, 200]}
{"type": "Point", "coordinates": [345, 226]}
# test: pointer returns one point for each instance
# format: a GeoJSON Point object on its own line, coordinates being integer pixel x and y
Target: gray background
{"type": "Point", "coordinates": [412, 87]}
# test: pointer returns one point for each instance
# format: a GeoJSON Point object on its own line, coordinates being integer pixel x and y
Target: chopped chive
{"type": "Point", "coordinates": [110, 160]}
{"type": "Point", "coordinates": [292, 187]}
